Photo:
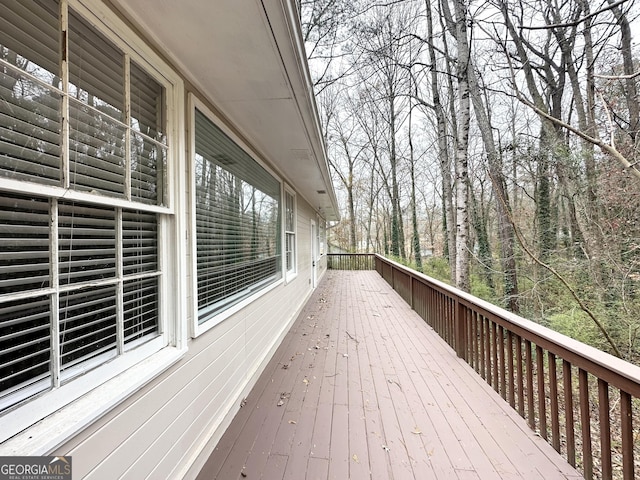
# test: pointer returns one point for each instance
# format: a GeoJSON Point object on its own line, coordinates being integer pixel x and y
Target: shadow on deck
{"type": "Point", "coordinates": [361, 388]}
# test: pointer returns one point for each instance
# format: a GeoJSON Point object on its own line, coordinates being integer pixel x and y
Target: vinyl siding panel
{"type": "Point", "coordinates": [172, 422]}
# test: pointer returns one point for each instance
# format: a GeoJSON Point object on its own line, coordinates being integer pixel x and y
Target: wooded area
{"type": "Point", "coordinates": [493, 145]}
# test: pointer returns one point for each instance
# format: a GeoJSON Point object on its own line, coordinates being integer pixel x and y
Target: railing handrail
{"type": "Point", "coordinates": [351, 261]}
{"type": "Point", "coordinates": [519, 359]}
{"type": "Point", "coordinates": [582, 355]}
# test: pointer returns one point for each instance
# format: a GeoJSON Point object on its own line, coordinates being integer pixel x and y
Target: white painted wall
{"type": "Point", "coordinates": [167, 428]}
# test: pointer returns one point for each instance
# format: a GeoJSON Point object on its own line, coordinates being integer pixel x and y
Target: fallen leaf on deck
{"type": "Point", "coordinates": [417, 431]}
{"type": "Point", "coordinates": [305, 381]}
{"type": "Point", "coordinates": [283, 397]}
{"type": "Point", "coordinates": [355, 458]}
{"type": "Point", "coordinates": [292, 422]}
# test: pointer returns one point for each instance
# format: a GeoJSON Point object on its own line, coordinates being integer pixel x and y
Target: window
{"type": "Point", "coordinates": [237, 206]}
{"type": "Point", "coordinates": [322, 233]}
{"type": "Point", "coordinates": [290, 231]}
{"type": "Point", "coordinates": [83, 199]}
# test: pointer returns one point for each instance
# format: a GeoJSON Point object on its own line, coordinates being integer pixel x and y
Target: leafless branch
{"type": "Point", "coordinates": [576, 22]}
{"type": "Point", "coordinates": [619, 77]}
{"type": "Point", "coordinates": [556, 274]}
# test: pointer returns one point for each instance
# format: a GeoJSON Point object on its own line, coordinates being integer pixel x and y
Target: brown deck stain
{"type": "Point", "coordinates": [370, 391]}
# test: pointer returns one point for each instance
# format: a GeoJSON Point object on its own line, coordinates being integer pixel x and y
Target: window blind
{"type": "Point", "coordinates": [149, 142]}
{"type": "Point", "coordinates": [87, 243]}
{"type": "Point", "coordinates": [290, 235]}
{"type": "Point", "coordinates": [29, 33]}
{"type": "Point", "coordinates": [141, 304]}
{"type": "Point", "coordinates": [88, 270]}
{"type": "Point", "coordinates": [24, 243]}
{"type": "Point", "coordinates": [29, 101]}
{"type": "Point", "coordinates": [88, 315]}
{"type": "Point", "coordinates": [96, 68]}
{"type": "Point", "coordinates": [87, 325]}
{"type": "Point", "coordinates": [25, 346]}
{"type": "Point", "coordinates": [237, 221]}
{"type": "Point", "coordinates": [140, 242]}
{"type": "Point", "coordinates": [97, 136]}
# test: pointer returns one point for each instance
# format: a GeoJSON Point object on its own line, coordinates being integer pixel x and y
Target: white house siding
{"type": "Point", "coordinates": [168, 426]}
{"type": "Point", "coordinates": [160, 430]}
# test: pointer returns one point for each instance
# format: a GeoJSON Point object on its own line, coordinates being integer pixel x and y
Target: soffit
{"type": "Point", "coordinates": [246, 56]}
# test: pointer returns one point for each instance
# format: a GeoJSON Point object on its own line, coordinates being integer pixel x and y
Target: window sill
{"type": "Point", "coordinates": [200, 328]}
{"type": "Point", "coordinates": [291, 276]}
{"type": "Point", "coordinates": [50, 432]}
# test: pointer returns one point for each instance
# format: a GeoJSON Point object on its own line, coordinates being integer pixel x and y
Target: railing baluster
{"type": "Point", "coordinates": [482, 347]}
{"type": "Point", "coordinates": [585, 424]}
{"type": "Point", "coordinates": [452, 328]}
{"type": "Point", "coordinates": [626, 424]}
{"type": "Point", "coordinates": [443, 316]}
{"type": "Point", "coordinates": [476, 337]}
{"type": "Point", "coordinates": [487, 348]}
{"type": "Point", "coordinates": [568, 411]}
{"type": "Point", "coordinates": [469, 334]}
{"type": "Point", "coordinates": [450, 323]}
{"type": "Point", "coordinates": [553, 397]}
{"type": "Point", "coordinates": [437, 313]}
{"type": "Point", "coordinates": [542, 397]}
{"type": "Point", "coordinates": [433, 307]}
{"type": "Point", "coordinates": [530, 408]}
{"type": "Point", "coordinates": [605, 429]}
{"type": "Point", "coordinates": [501, 360]}
{"type": "Point", "coordinates": [512, 393]}
{"type": "Point", "coordinates": [520, 376]}
{"type": "Point", "coordinates": [494, 356]}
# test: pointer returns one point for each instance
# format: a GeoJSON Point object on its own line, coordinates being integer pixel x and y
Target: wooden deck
{"type": "Point", "coordinates": [362, 388]}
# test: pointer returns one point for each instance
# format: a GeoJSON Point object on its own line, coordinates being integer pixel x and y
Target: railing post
{"type": "Point", "coordinates": [411, 292]}
{"type": "Point", "coordinates": [460, 330]}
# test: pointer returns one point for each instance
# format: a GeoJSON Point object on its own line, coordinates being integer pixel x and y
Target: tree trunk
{"type": "Point", "coordinates": [448, 220]}
{"type": "Point", "coordinates": [631, 92]}
{"type": "Point", "coordinates": [415, 237]}
{"type": "Point", "coordinates": [462, 175]}
{"type": "Point", "coordinates": [505, 227]}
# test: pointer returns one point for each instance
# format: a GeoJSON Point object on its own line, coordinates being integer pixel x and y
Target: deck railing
{"type": "Point", "coordinates": [581, 400]}
{"type": "Point", "coordinates": [351, 261]}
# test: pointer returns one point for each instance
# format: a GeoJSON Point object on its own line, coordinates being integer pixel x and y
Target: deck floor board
{"type": "Point", "coordinates": [369, 391]}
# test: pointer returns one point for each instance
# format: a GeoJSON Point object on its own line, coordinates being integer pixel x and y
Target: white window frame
{"type": "Point", "coordinates": [197, 328]}
{"type": "Point", "coordinates": [292, 272]}
{"type": "Point", "coordinates": [322, 236]}
{"type": "Point", "coordinates": [32, 427]}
